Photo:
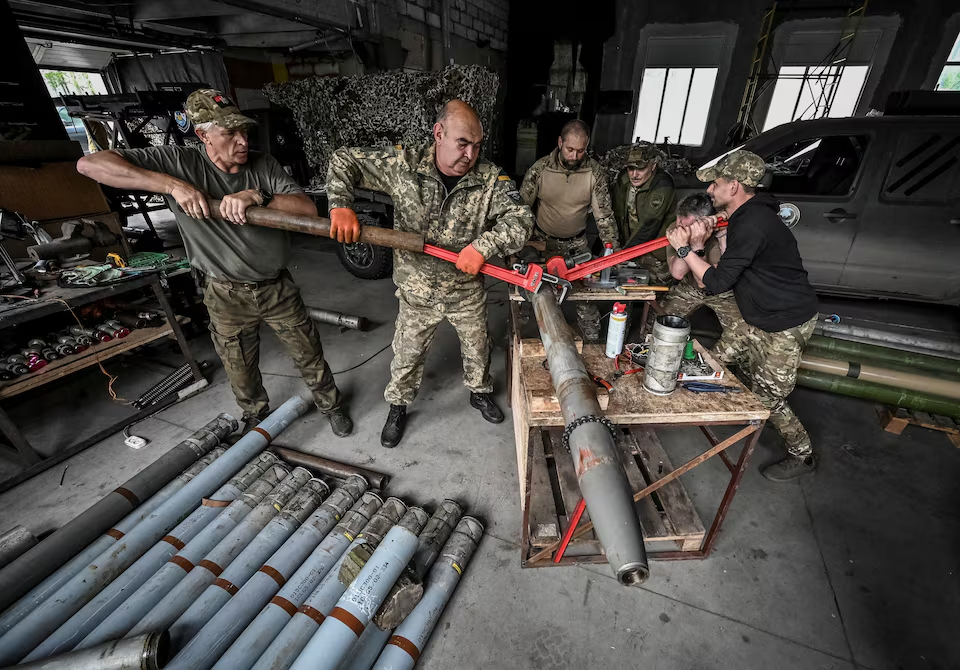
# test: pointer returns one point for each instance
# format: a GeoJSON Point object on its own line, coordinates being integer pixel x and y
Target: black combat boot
{"type": "Point", "coordinates": [250, 422]}
{"type": "Point", "coordinates": [393, 428]}
{"type": "Point", "coordinates": [488, 408]}
{"type": "Point", "coordinates": [340, 423]}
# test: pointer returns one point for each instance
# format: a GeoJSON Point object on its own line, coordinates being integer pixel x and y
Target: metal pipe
{"type": "Point", "coordinates": [884, 376]}
{"type": "Point", "coordinates": [866, 353]}
{"type": "Point", "coordinates": [242, 568]}
{"type": "Point", "coordinates": [320, 226]}
{"type": "Point", "coordinates": [206, 572]}
{"type": "Point", "coordinates": [14, 543]}
{"type": "Point", "coordinates": [77, 592]}
{"type": "Point", "coordinates": [887, 395]}
{"type": "Point", "coordinates": [40, 562]}
{"type": "Point", "coordinates": [257, 636]}
{"type": "Point", "coordinates": [917, 338]}
{"type": "Point", "coordinates": [283, 651]}
{"type": "Point", "coordinates": [49, 586]}
{"type": "Point", "coordinates": [409, 640]}
{"type": "Point", "coordinates": [139, 604]}
{"type": "Point", "coordinates": [338, 318]}
{"type": "Point", "coordinates": [324, 466]}
{"type": "Point", "coordinates": [70, 634]}
{"type": "Point", "coordinates": [367, 591]}
{"type": "Point", "coordinates": [595, 459]}
{"type": "Point", "coordinates": [408, 590]}
{"type": "Point", "coordinates": [221, 629]}
{"type": "Point", "coordinates": [670, 335]}
{"type": "Point", "coordinates": [144, 652]}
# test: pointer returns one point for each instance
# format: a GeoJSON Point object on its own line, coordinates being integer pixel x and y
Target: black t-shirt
{"type": "Point", "coordinates": [763, 267]}
{"type": "Point", "coordinates": [448, 181]}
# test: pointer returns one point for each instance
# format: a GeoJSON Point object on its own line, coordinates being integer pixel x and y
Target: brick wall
{"type": "Point", "coordinates": [472, 20]}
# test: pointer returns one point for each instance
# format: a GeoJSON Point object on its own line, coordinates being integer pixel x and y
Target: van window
{"type": "Point", "coordinates": [817, 166]}
{"type": "Point", "coordinates": [925, 166]}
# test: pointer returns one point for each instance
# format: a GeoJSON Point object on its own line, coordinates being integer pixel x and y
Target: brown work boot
{"type": "Point", "coordinates": [340, 423]}
{"type": "Point", "coordinates": [789, 468]}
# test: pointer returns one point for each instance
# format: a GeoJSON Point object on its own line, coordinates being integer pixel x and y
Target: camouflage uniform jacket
{"type": "Point", "coordinates": [483, 208]}
{"type": "Point", "coordinates": [561, 198]}
{"type": "Point", "coordinates": [655, 205]}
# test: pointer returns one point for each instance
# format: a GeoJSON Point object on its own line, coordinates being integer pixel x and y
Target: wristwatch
{"type": "Point", "coordinates": [683, 251]}
{"type": "Point", "coordinates": [265, 197]}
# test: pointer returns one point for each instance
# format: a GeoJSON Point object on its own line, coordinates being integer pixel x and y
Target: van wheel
{"type": "Point", "coordinates": [367, 261]}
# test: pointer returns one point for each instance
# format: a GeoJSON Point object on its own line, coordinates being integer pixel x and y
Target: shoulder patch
{"type": "Point", "coordinates": [398, 147]}
{"type": "Point", "coordinates": [656, 201]}
{"type": "Point", "coordinates": [503, 177]}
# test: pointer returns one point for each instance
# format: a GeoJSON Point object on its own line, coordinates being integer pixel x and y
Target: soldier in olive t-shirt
{"type": "Point", "coordinates": [246, 281]}
{"type": "Point", "coordinates": [217, 248]}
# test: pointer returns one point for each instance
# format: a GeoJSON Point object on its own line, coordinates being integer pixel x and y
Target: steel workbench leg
{"type": "Point", "coordinates": [177, 331]}
{"type": "Point", "coordinates": [19, 442]}
{"type": "Point", "coordinates": [731, 490]}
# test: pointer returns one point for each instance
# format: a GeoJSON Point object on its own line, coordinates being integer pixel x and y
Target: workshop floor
{"type": "Point", "coordinates": [853, 568]}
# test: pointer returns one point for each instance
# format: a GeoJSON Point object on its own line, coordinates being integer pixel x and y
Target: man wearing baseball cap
{"type": "Point", "coordinates": [762, 266]}
{"type": "Point", "coordinates": [246, 282]}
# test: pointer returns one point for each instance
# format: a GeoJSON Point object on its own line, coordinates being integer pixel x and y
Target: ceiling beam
{"type": "Point", "coordinates": [285, 9]}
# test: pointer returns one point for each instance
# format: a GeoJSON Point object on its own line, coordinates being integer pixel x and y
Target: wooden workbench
{"type": "Point", "coordinates": [548, 484]}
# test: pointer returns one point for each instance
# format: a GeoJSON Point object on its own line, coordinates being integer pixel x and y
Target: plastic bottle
{"type": "Point", "coordinates": [616, 330]}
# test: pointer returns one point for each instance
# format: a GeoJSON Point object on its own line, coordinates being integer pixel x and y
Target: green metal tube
{"type": "Point", "coordinates": [863, 353]}
{"type": "Point", "coordinates": [888, 395]}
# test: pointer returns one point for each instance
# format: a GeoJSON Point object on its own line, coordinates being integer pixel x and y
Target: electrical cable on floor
{"type": "Point", "coordinates": [364, 362]}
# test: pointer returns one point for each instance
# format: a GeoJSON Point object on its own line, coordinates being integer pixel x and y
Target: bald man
{"type": "Point", "coordinates": [455, 199]}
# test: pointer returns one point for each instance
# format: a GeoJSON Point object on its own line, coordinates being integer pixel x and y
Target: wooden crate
{"type": "Point", "coordinates": [896, 419]}
{"type": "Point", "coordinates": [668, 518]}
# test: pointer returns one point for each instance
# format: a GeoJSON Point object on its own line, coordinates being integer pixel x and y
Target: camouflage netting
{"type": "Point", "coordinates": [378, 110]}
{"type": "Point", "coordinates": [614, 161]}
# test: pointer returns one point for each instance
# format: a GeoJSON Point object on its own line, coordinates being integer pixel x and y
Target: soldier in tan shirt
{"type": "Point", "coordinates": [562, 189]}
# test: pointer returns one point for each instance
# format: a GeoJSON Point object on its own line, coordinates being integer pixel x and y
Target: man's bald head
{"type": "Point", "coordinates": [458, 135]}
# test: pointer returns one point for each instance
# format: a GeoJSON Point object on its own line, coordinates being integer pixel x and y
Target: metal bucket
{"type": "Point", "coordinates": [670, 335]}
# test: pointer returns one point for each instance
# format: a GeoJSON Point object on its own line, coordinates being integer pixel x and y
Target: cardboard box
{"type": "Point", "coordinates": [50, 191]}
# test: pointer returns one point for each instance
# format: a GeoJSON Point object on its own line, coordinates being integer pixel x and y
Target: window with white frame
{"type": "Point", "coordinates": [677, 89]}
{"type": "Point", "coordinates": [814, 91]}
{"type": "Point", "coordinates": [819, 74]}
{"type": "Point", "coordinates": [950, 75]}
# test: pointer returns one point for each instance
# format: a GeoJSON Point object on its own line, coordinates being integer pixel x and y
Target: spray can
{"type": "Point", "coordinates": [616, 330]}
{"type": "Point", "coordinates": [605, 273]}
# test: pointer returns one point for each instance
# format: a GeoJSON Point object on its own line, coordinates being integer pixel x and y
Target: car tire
{"type": "Point", "coordinates": [367, 261]}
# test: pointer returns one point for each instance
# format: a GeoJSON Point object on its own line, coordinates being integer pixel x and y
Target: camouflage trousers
{"type": "Point", "coordinates": [768, 364]}
{"type": "Point", "coordinates": [683, 300]}
{"type": "Point", "coordinates": [235, 317]}
{"type": "Point", "coordinates": [588, 314]}
{"type": "Point", "coordinates": [416, 326]}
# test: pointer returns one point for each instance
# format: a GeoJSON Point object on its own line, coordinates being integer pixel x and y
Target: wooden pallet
{"type": "Point", "coordinates": [668, 518]}
{"type": "Point", "coordinates": [896, 419]}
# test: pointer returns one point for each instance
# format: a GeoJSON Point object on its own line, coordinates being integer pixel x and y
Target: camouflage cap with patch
{"type": "Point", "coordinates": [641, 154]}
{"type": "Point", "coordinates": [206, 104]}
{"type": "Point", "coordinates": [744, 166]}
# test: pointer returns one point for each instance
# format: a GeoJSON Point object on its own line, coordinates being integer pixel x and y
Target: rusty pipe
{"type": "Point", "coordinates": [324, 466]}
{"type": "Point", "coordinates": [320, 226]}
{"type": "Point", "coordinates": [596, 461]}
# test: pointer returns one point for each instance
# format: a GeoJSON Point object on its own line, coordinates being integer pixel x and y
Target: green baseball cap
{"type": "Point", "coordinates": [744, 166]}
{"type": "Point", "coordinates": [207, 104]}
{"type": "Point", "coordinates": [641, 154]}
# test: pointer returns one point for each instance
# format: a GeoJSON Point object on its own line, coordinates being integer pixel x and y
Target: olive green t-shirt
{"type": "Point", "coordinates": [712, 254]}
{"type": "Point", "coordinates": [220, 249]}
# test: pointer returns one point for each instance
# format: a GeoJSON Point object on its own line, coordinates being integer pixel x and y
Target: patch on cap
{"type": "Point", "coordinates": [206, 104]}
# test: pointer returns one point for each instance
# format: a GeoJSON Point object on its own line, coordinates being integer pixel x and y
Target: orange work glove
{"type": "Point", "coordinates": [344, 226]}
{"type": "Point", "coordinates": [470, 260]}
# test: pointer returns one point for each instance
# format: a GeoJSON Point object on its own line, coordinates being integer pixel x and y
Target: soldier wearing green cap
{"type": "Point", "coordinates": [246, 282]}
{"type": "Point", "coordinates": [762, 265]}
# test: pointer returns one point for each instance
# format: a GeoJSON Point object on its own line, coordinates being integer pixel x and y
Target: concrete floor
{"type": "Point", "coordinates": [855, 567]}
